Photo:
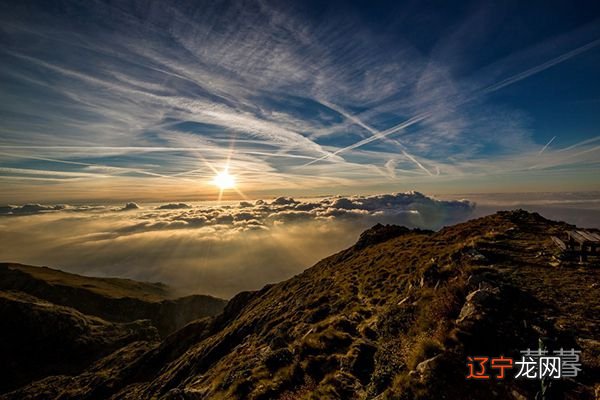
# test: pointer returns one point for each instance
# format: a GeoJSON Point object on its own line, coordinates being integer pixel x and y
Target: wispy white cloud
{"type": "Point", "coordinates": [378, 135]}
{"type": "Point", "coordinates": [162, 95]}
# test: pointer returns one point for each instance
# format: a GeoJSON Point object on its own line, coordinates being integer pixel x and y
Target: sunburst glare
{"type": "Point", "coordinates": [224, 180]}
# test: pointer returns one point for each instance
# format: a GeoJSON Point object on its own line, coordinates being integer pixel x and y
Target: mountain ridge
{"type": "Point", "coordinates": [113, 299]}
{"type": "Point", "coordinates": [393, 317]}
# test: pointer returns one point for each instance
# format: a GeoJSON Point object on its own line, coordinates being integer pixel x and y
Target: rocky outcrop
{"type": "Point", "coordinates": [478, 304]}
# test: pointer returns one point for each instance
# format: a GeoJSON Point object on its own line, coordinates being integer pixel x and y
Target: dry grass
{"type": "Point", "coordinates": [357, 324]}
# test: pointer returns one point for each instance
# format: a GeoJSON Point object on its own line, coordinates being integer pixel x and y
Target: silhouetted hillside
{"type": "Point", "coordinates": [40, 338]}
{"type": "Point", "coordinates": [393, 317]}
{"type": "Point", "coordinates": [113, 299]}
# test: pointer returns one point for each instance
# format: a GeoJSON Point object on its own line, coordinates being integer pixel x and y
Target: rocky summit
{"type": "Point", "coordinates": [396, 316]}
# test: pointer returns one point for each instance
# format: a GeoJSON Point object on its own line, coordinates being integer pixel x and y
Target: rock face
{"type": "Point", "coordinates": [393, 317]}
{"type": "Point", "coordinates": [476, 304]}
{"type": "Point", "coordinates": [425, 369]}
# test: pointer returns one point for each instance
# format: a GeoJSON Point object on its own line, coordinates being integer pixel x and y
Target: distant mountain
{"type": "Point", "coordinates": [113, 299]}
{"type": "Point", "coordinates": [393, 317]}
{"type": "Point", "coordinates": [60, 323]}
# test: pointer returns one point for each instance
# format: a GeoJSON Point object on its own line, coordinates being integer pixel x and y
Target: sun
{"type": "Point", "coordinates": [223, 180]}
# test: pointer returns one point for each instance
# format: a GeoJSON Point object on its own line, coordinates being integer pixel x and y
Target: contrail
{"type": "Point", "coordinates": [587, 141]}
{"type": "Point", "coordinates": [547, 144]}
{"type": "Point", "coordinates": [348, 116]}
{"type": "Point", "coordinates": [374, 131]}
{"type": "Point", "coordinates": [574, 146]}
{"type": "Point", "coordinates": [377, 136]}
{"type": "Point", "coordinates": [542, 67]}
{"type": "Point", "coordinates": [417, 162]}
{"type": "Point", "coordinates": [554, 163]}
{"type": "Point", "coordinates": [489, 89]}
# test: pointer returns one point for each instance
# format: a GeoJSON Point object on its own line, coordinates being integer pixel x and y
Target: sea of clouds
{"type": "Point", "coordinates": [213, 249]}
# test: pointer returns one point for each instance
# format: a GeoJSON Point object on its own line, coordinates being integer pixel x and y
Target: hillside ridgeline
{"type": "Point", "coordinates": [393, 317]}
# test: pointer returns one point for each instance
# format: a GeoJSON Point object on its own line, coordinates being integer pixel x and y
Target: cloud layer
{"type": "Point", "coordinates": [218, 250]}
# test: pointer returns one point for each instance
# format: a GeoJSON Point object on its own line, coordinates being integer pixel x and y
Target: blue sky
{"type": "Point", "coordinates": [149, 100]}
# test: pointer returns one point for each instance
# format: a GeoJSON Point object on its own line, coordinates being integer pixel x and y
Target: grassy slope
{"type": "Point", "coordinates": [118, 300]}
{"type": "Point", "coordinates": [383, 320]}
{"type": "Point", "coordinates": [107, 287]}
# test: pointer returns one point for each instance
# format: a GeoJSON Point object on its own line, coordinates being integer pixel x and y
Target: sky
{"type": "Point", "coordinates": [110, 101]}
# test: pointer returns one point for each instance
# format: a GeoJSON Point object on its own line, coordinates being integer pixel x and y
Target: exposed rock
{"type": "Point", "coordinates": [424, 370]}
{"type": "Point", "coordinates": [476, 303]}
